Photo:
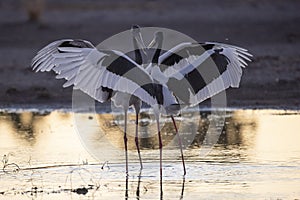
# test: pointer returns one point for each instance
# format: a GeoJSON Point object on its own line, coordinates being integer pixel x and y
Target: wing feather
{"type": "Point", "coordinates": [81, 64]}
{"type": "Point", "coordinates": [45, 55]}
{"type": "Point", "coordinates": [191, 63]}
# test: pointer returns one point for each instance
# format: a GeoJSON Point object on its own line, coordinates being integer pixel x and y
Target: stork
{"type": "Point", "coordinates": [104, 75]}
{"type": "Point", "coordinates": [180, 76]}
{"type": "Point", "coordinates": [186, 72]}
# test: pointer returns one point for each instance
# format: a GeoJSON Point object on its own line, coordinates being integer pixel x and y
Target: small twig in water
{"type": "Point", "coordinates": [11, 164]}
{"type": "Point", "coordinates": [7, 164]}
{"type": "Point", "coordinates": [105, 163]}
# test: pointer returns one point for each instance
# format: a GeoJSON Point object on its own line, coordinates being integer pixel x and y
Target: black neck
{"type": "Point", "coordinates": [157, 54]}
{"type": "Point", "coordinates": [137, 52]}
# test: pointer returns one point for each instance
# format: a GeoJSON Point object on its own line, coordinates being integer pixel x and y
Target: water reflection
{"type": "Point", "coordinates": [236, 128]}
{"type": "Point", "coordinates": [27, 126]}
{"type": "Point", "coordinates": [107, 134]}
{"type": "Point", "coordinates": [137, 193]}
{"type": "Point", "coordinates": [42, 138]}
{"type": "Point", "coordinates": [22, 124]}
{"type": "Point", "coordinates": [257, 151]}
{"type": "Point", "coordinates": [250, 131]}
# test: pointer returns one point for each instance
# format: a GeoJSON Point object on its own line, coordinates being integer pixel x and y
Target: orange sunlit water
{"type": "Point", "coordinates": [277, 137]}
{"type": "Point", "coordinates": [257, 155]}
{"type": "Point", "coordinates": [42, 138]}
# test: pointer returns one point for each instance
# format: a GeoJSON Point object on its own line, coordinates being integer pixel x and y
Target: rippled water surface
{"type": "Point", "coordinates": [47, 155]}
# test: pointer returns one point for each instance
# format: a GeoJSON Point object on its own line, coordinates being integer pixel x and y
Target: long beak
{"type": "Point", "coordinates": [141, 43]}
{"type": "Point", "coordinates": [152, 43]}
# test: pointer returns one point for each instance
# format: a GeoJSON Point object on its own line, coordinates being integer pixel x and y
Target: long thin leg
{"type": "Point", "coordinates": [126, 188]}
{"type": "Point", "coordinates": [180, 145]}
{"type": "Point", "coordinates": [138, 186]}
{"type": "Point", "coordinates": [125, 141]}
{"type": "Point", "coordinates": [137, 138]}
{"type": "Point", "coordinates": [182, 188]}
{"type": "Point", "coordinates": [160, 152]}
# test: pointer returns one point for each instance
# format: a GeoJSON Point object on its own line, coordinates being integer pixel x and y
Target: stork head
{"type": "Point", "coordinates": [157, 40]}
{"type": "Point", "coordinates": [135, 29]}
{"type": "Point", "coordinates": [136, 33]}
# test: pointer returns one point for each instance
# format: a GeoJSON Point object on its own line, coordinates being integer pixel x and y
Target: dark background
{"type": "Point", "coordinates": [269, 29]}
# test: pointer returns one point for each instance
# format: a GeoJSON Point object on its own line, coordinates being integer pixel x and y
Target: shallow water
{"type": "Point", "coordinates": [47, 155]}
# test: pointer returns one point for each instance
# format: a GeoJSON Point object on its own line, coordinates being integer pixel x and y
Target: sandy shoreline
{"type": "Point", "coordinates": [269, 29]}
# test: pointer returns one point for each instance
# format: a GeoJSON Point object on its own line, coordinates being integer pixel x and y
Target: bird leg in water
{"type": "Point", "coordinates": [180, 145]}
{"type": "Point", "coordinates": [182, 188]}
{"type": "Point", "coordinates": [126, 188]}
{"type": "Point", "coordinates": [138, 185]}
{"type": "Point", "coordinates": [125, 140]}
{"type": "Point", "coordinates": [160, 152]}
{"type": "Point", "coordinates": [137, 138]}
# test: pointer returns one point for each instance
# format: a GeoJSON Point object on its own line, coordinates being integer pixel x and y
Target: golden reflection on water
{"type": "Point", "coordinates": [258, 151]}
{"type": "Point", "coordinates": [51, 137]}
{"type": "Point", "coordinates": [277, 138]}
{"type": "Point", "coordinates": [46, 138]}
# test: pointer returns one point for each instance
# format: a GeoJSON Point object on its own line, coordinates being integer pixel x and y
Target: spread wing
{"type": "Point", "coordinates": [96, 72]}
{"type": "Point", "coordinates": [196, 72]}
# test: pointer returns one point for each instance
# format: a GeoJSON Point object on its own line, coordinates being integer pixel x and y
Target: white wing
{"type": "Point", "coordinates": [95, 72]}
{"type": "Point", "coordinates": [227, 58]}
{"type": "Point", "coordinates": [174, 50]}
{"type": "Point", "coordinates": [237, 59]}
{"type": "Point", "coordinates": [65, 57]}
